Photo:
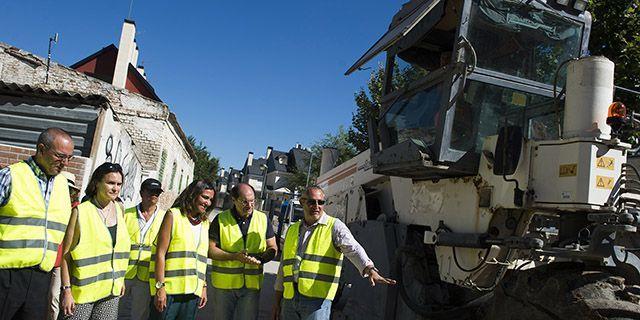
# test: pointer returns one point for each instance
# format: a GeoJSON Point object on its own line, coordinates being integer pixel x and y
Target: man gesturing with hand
{"type": "Point", "coordinates": [311, 263]}
{"type": "Point", "coordinates": [241, 240]}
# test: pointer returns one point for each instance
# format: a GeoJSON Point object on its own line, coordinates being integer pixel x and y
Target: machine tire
{"type": "Point", "coordinates": [565, 291]}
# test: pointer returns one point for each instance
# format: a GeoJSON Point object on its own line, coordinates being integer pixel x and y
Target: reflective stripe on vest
{"type": "Point", "coordinates": [97, 268]}
{"type": "Point", "coordinates": [30, 231]}
{"type": "Point", "coordinates": [141, 252]}
{"type": "Point", "coordinates": [318, 269]}
{"type": "Point", "coordinates": [233, 274]}
{"type": "Point", "coordinates": [185, 265]}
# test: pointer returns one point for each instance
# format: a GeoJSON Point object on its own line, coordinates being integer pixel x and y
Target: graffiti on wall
{"type": "Point", "coordinates": [123, 154]}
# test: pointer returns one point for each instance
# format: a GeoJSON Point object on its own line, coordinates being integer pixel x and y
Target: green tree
{"type": "Point", "coordinates": [206, 166]}
{"type": "Point", "coordinates": [368, 101]}
{"type": "Point", "coordinates": [339, 141]}
{"type": "Point", "coordinates": [367, 106]}
{"type": "Point", "coordinates": [615, 34]}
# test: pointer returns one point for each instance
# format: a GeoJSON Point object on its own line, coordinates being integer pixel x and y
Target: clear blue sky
{"type": "Point", "coordinates": [240, 75]}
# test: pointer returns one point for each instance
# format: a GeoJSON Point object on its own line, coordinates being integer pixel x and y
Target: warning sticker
{"type": "Point", "coordinates": [519, 99]}
{"type": "Point", "coordinates": [606, 163]}
{"type": "Point", "coordinates": [604, 182]}
{"type": "Point", "coordinates": [568, 170]}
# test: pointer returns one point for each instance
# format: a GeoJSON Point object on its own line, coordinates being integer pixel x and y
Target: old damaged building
{"type": "Point", "coordinates": [105, 102]}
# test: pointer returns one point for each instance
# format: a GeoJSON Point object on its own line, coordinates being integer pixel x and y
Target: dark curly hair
{"type": "Point", "coordinates": [185, 201]}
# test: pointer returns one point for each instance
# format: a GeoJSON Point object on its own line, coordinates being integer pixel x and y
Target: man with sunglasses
{"type": "Point", "coordinates": [34, 213]}
{"type": "Point", "coordinates": [312, 261]}
{"type": "Point", "coordinates": [241, 241]}
{"type": "Point", "coordinates": [143, 223]}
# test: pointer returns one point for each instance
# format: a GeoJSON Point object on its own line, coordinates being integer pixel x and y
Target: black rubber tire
{"type": "Point", "coordinates": [565, 291]}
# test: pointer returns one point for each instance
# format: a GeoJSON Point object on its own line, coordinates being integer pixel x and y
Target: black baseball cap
{"type": "Point", "coordinates": [151, 184]}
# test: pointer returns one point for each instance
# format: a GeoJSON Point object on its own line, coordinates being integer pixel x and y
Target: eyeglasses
{"type": "Point", "coordinates": [312, 202]}
{"type": "Point", "coordinates": [246, 202]}
{"type": "Point", "coordinates": [61, 156]}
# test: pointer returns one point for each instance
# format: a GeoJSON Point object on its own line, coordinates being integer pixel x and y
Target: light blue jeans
{"type": "Point", "coordinates": [235, 304]}
{"type": "Point", "coordinates": [304, 308]}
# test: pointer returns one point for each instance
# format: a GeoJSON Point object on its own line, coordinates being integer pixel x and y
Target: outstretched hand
{"type": "Point", "coordinates": [245, 258]}
{"type": "Point", "coordinates": [375, 277]}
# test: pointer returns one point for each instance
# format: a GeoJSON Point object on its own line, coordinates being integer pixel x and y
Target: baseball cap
{"type": "Point", "coordinates": [151, 184]}
{"type": "Point", "coordinates": [71, 179]}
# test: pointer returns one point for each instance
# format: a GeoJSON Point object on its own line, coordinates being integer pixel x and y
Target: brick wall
{"type": "Point", "coordinates": [10, 155]}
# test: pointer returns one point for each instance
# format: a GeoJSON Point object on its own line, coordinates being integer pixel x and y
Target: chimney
{"type": "Point", "coordinates": [141, 70]}
{"type": "Point", "coordinates": [134, 55]}
{"type": "Point", "coordinates": [269, 149]}
{"type": "Point", "coordinates": [222, 172]}
{"type": "Point", "coordinates": [250, 159]}
{"type": "Point", "coordinates": [299, 146]}
{"type": "Point", "coordinates": [126, 50]}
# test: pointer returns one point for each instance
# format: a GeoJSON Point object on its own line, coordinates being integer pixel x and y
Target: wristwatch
{"type": "Point", "coordinates": [159, 285]}
{"type": "Point", "coordinates": [63, 288]}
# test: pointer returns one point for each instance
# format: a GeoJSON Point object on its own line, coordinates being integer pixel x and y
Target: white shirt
{"type": "Point", "coordinates": [144, 224]}
{"type": "Point", "coordinates": [196, 231]}
{"type": "Point", "coordinates": [343, 241]}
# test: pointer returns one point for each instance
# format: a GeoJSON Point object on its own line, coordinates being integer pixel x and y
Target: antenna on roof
{"type": "Point", "coordinates": [130, 9]}
{"type": "Point", "coordinates": [52, 40]}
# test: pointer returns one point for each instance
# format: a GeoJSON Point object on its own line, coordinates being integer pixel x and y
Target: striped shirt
{"type": "Point", "coordinates": [45, 183]}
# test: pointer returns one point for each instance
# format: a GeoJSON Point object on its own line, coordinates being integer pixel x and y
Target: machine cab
{"type": "Point", "coordinates": [459, 70]}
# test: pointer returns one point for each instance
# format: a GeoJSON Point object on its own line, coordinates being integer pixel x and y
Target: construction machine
{"type": "Point", "coordinates": [496, 185]}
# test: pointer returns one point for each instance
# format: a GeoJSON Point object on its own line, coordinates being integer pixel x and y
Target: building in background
{"type": "Point", "coordinates": [268, 175]}
{"type": "Point", "coordinates": [109, 108]}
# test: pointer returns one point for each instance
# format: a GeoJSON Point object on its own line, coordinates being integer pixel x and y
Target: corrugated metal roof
{"type": "Point", "coordinates": [92, 99]}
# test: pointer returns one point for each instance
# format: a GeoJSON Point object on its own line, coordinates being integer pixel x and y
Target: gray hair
{"type": "Point", "coordinates": [307, 192]}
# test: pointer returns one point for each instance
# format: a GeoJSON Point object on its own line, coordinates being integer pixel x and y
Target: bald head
{"type": "Point", "coordinates": [49, 136]}
{"type": "Point", "coordinates": [54, 150]}
{"type": "Point", "coordinates": [243, 198]}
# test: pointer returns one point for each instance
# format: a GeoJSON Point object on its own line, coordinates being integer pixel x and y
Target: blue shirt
{"type": "Point", "coordinates": [45, 183]}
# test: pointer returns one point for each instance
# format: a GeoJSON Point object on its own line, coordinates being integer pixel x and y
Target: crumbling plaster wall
{"type": "Point", "coordinates": [145, 120]}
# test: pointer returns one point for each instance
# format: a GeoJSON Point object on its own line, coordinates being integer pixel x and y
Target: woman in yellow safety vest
{"type": "Point", "coordinates": [179, 259]}
{"type": "Point", "coordinates": [96, 249]}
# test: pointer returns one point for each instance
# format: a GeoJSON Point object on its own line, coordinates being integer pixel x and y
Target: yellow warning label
{"type": "Point", "coordinates": [519, 99]}
{"type": "Point", "coordinates": [568, 170]}
{"type": "Point", "coordinates": [606, 163]}
{"type": "Point", "coordinates": [604, 182]}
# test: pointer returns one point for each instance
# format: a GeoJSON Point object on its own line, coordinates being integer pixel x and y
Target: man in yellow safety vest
{"type": "Point", "coordinates": [143, 223]}
{"type": "Point", "coordinates": [34, 213]}
{"type": "Point", "coordinates": [311, 262]}
{"type": "Point", "coordinates": [241, 241]}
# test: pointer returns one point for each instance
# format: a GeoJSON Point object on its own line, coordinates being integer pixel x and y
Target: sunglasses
{"type": "Point", "coordinates": [311, 202]}
{"type": "Point", "coordinates": [113, 166]}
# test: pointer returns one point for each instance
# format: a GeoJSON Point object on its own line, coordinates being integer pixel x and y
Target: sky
{"type": "Point", "coordinates": [239, 75]}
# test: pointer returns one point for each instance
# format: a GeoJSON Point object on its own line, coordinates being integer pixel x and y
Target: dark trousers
{"type": "Point", "coordinates": [24, 294]}
{"type": "Point", "coordinates": [179, 307]}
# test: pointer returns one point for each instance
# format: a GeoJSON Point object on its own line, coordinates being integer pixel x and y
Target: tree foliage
{"type": "Point", "coordinates": [339, 141]}
{"type": "Point", "coordinates": [206, 166]}
{"type": "Point", "coordinates": [615, 34]}
{"type": "Point", "coordinates": [367, 106]}
{"type": "Point", "coordinates": [369, 101]}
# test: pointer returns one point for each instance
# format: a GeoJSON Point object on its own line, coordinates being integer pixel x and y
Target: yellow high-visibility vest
{"type": "Point", "coordinates": [231, 274]}
{"type": "Point", "coordinates": [30, 231]}
{"type": "Point", "coordinates": [318, 269]}
{"type": "Point", "coordinates": [97, 267]}
{"type": "Point", "coordinates": [185, 261]}
{"type": "Point", "coordinates": [141, 250]}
